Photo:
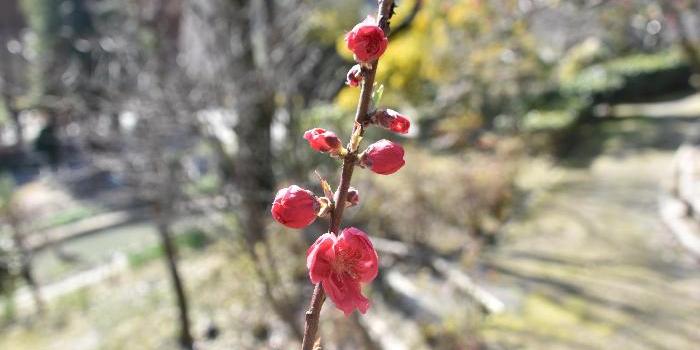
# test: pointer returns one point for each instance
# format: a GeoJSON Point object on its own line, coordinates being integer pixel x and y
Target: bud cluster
{"type": "Point", "coordinates": [342, 262]}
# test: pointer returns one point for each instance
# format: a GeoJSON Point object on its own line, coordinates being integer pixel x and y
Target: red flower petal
{"type": "Point", "coordinates": [319, 257]}
{"type": "Point", "coordinates": [345, 293]}
{"type": "Point", "coordinates": [366, 261]}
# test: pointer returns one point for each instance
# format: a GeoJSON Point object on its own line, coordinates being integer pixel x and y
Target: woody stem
{"type": "Point", "coordinates": [349, 161]}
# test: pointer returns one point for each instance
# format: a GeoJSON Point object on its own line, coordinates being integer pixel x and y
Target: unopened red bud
{"type": "Point", "coordinates": [353, 197]}
{"type": "Point", "coordinates": [366, 40]}
{"type": "Point", "coordinates": [295, 207]}
{"type": "Point", "coordinates": [354, 76]}
{"type": "Point", "coordinates": [383, 157]}
{"type": "Point", "coordinates": [392, 120]}
{"type": "Point", "coordinates": [323, 141]}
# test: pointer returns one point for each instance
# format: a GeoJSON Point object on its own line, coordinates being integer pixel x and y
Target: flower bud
{"type": "Point", "coordinates": [352, 198]}
{"type": "Point", "coordinates": [323, 141]}
{"type": "Point", "coordinates": [354, 76]}
{"type": "Point", "coordinates": [383, 157]}
{"type": "Point", "coordinates": [392, 120]}
{"type": "Point", "coordinates": [366, 40]}
{"type": "Point", "coordinates": [295, 207]}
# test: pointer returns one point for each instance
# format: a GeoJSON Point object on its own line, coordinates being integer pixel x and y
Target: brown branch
{"type": "Point", "coordinates": [317, 299]}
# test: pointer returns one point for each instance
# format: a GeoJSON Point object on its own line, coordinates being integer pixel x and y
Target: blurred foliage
{"type": "Point", "coordinates": [580, 56]}
{"type": "Point", "coordinates": [588, 77]}
{"type": "Point", "coordinates": [78, 300]}
{"type": "Point", "coordinates": [540, 120]}
{"type": "Point", "coordinates": [473, 65]}
{"type": "Point", "coordinates": [613, 74]}
{"type": "Point", "coordinates": [9, 310]}
{"type": "Point", "coordinates": [480, 51]}
{"type": "Point", "coordinates": [444, 200]}
{"type": "Point", "coordinates": [191, 238]}
{"type": "Point", "coordinates": [58, 50]}
{"type": "Point", "coordinates": [7, 187]}
{"type": "Point", "coordinates": [463, 67]}
{"type": "Point", "coordinates": [482, 48]}
{"type": "Point", "coordinates": [44, 18]}
{"type": "Point", "coordinates": [3, 114]}
{"type": "Point", "coordinates": [207, 185]}
{"type": "Point", "coordinates": [7, 273]}
{"type": "Point", "coordinates": [67, 217]}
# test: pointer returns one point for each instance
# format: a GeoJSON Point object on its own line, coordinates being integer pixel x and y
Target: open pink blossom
{"type": "Point", "coordinates": [295, 207]}
{"type": "Point", "coordinates": [341, 264]}
{"type": "Point", "coordinates": [366, 40]}
{"type": "Point", "coordinates": [323, 141]}
{"type": "Point", "coordinates": [383, 157]}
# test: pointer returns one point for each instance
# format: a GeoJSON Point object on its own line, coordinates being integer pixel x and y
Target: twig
{"type": "Point", "coordinates": [318, 297]}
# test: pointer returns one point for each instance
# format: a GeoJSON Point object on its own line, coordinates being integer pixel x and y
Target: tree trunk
{"type": "Point", "coordinates": [253, 174]}
{"type": "Point", "coordinates": [692, 53]}
{"type": "Point", "coordinates": [255, 181]}
{"type": "Point", "coordinates": [163, 213]}
{"type": "Point", "coordinates": [25, 259]}
{"type": "Point", "coordinates": [13, 113]}
{"type": "Point", "coordinates": [164, 231]}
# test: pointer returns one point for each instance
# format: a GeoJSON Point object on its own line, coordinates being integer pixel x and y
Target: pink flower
{"type": "Point", "coordinates": [322, 140]}
{"type": "Point", "coordinates": [353, 197]}
{"type": "Point", "coordinates": [354, 76]}
{"type": "Point", "coordinates": [341, 264]}
{"type": "Point", "coordinates": [383, 157]}
{"type": "Point", "coordinates": [295, 207]}
{"type": "Point", "coordinates": [392, 120]}
{"type": "Point", "coordinates": [366, 40]}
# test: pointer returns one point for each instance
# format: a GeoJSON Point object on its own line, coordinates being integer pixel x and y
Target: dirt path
{"type": "Point", "coordinates": [586, 263]}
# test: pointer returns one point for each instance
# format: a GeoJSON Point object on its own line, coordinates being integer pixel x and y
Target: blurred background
{"type": "Point", "coordinates": [550, 198]}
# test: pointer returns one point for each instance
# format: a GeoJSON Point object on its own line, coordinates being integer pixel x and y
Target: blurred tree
{"type": "Point", "coordinates": [61, 52]}
{"type": "Point", "coordinates": [49, 144]}
{"type": "Point", "coordinates": [677, 13]}
{"type": "Point", "coordinates": [60, 48]}
{"type": "Point", "coordinates": [10, 210]}
{"type": "Point", "coordinates": [164, 134]}
{"type": "Point", "coordinates": [250, 58]}
{"type": "Point", "coordinates": [151, 165]}
{"type": "Point", "coordinates": [142, 126]}
{"type": "Point", "coordinates": [6, 274]}
{"type": "Point", "coordinates": [12, 65]}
